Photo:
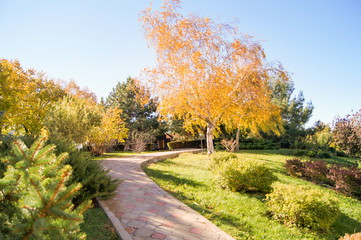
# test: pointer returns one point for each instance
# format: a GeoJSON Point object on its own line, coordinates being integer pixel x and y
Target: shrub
{"type": "Point", "coordinates": [302, 206]}
{"type": "Point", "coordinates": [185, 144]}
{"type": "Point", "coordinates": [219, 158]}
{"type": "Point", "coordinates": [138, 140]}
{"type": "Point", "coordinates": [218, 146]}
{"type": "Point", "coordinates": [346, 180]}
{"type": "Point", "coordinates": [316, 171]}
{"type": "Point", "coordinates": [341, 154]}
{"type": "Point", "coordinates": [311, 154]}
{"type": "Point", "coordinates": [295, 167]}
{"type": "Point", "coordinates": [229, 145]}
{"type": "Point", "coordinates": [323, 155]}
{"type": "Point", "coordinates": [300, 153]}
{"type": "Point", "coordinates": [244, 175]}
{"type": "Point", "coordinates": [355, 236]}
{"type": "Point", "coordinates": [95, 180]}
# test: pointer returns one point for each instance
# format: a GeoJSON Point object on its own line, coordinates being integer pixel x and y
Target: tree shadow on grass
{"type": "Point", "coordinates": [164, 176]}
{"type": "Point", "coordinates": [344, 224]}
{"type": "Point", "coordinates": [344, 161]}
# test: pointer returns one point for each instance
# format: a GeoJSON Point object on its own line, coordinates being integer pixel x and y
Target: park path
{"type": "Point", "coordinates": [142, 210]}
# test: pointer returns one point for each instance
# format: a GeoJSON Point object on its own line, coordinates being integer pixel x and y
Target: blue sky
{"type": "Point", "coordinates": [98, 43]}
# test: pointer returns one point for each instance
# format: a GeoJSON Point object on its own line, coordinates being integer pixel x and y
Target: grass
{"type": "Point", "coordinates": [97, 226]}
{"type": "Point", "coordinates": [244, 215]}
{"type": "Point", "coordinates": [119, 154]}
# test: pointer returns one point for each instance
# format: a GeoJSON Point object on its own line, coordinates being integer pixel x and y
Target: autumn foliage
{"type": "Point", "coordinates": [108, 133]}
{"type": "Point", "coordinates": [25, 97]}
{"type": "Point", "coordinates": [347, 133]}
{"type": "Point", "coordinates": [208, 73]}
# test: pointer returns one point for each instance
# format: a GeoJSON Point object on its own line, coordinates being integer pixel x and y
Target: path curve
{"type": "Point", "coordinates": [142, 210]}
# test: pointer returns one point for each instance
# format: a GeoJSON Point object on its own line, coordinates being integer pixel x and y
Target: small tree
{"type": "Point", "coordinates": [38, 203]}
{"type": "Point", "coordinates": [294, 112]}
{"type": "Point", "coordinates": [111, 131]}
{"type": "Point", "coordinates": [347, 133]}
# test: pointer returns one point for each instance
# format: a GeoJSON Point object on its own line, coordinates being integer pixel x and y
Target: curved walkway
{"type": "Point", "coordinates": [142, 210]}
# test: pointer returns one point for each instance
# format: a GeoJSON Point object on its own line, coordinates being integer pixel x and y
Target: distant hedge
{"type": "Point", "coordinates": [245, 144]}
{"type": "Point", "coordinates": [186, 144]}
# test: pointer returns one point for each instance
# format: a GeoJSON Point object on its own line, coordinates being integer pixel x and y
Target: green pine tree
{"type": "Point", "coordinates": [35, 202]}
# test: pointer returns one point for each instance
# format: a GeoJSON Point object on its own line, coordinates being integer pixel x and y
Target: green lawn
{"type": "Point", "coordinates": [244, 215]}
{"type": "Point", "coordinates": [120, 154]}
{"type": "Point", "coordinates": [97, 226]}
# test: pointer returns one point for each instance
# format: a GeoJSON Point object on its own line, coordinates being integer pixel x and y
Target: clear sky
{"type": "Point", "coordinates": [99, 43]}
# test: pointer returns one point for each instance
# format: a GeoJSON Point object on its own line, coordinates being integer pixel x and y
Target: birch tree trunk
{"type": "Point", "coordinates": [209, 137]}
{"type": "Point", "coordinates": [237, 138]}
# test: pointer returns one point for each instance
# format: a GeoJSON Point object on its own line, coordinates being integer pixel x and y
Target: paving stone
{"type": "Point", "coordinates": [158, 235]}
{"type": "Point", "coordinates": [136, 224]}
{"type": "Point", "coordinates": [196, 231]}
{"type": "Point", "coordinates": [153, 210]}
{"type": "Point", "coordinates": [171, 237]}
{"type": "Point", "coordinates": [130, 230]}
{"type": "Point", "coordinates": [168, 225]}
{"type": "Point", "coordinates": [143, 233]}
{"type": "Point", "coordinates": [143, 219]}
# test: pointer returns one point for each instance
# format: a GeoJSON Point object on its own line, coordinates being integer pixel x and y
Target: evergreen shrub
{"type": "Point", "coordinates": [302, 206]}
{"type": "Point", "coordinates": [96, 181]}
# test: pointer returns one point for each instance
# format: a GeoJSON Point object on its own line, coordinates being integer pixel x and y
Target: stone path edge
{"type": "Point", "coordinates": [122, 233]}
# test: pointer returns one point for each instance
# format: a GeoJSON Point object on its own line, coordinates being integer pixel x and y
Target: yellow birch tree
{"type": "Point", "coordinates": [207, 73]}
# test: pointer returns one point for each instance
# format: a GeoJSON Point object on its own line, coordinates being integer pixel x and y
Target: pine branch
{"type": "Point", "coordinates": [66, 218]}
{"type": "Point", "coordinates": [88, 205]}
{"type": "Point", "coordinates": [38, 146]}
{"type": "Point", "coordinates": [46, 152]}
{"type": "Point", "coordinates": [64, 175]}
{"type": "Point", "coordinates": [37, 191]}
{"type": "Point", "coordinates": [61, 158]}
{"type": "Point", "coordinates": [18, 144]}
{"type": "Point", "coordinates": [77, 188]}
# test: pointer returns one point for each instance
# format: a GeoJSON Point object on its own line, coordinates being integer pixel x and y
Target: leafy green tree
{"type": "Point", "coordinates": [72, 119]}
{"type": "Point", "coordinates": [35, 201]}
{"type": "Point", "coordinates": [295, 113]}
{"type": "Point", "coordinates": [137, 114]}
